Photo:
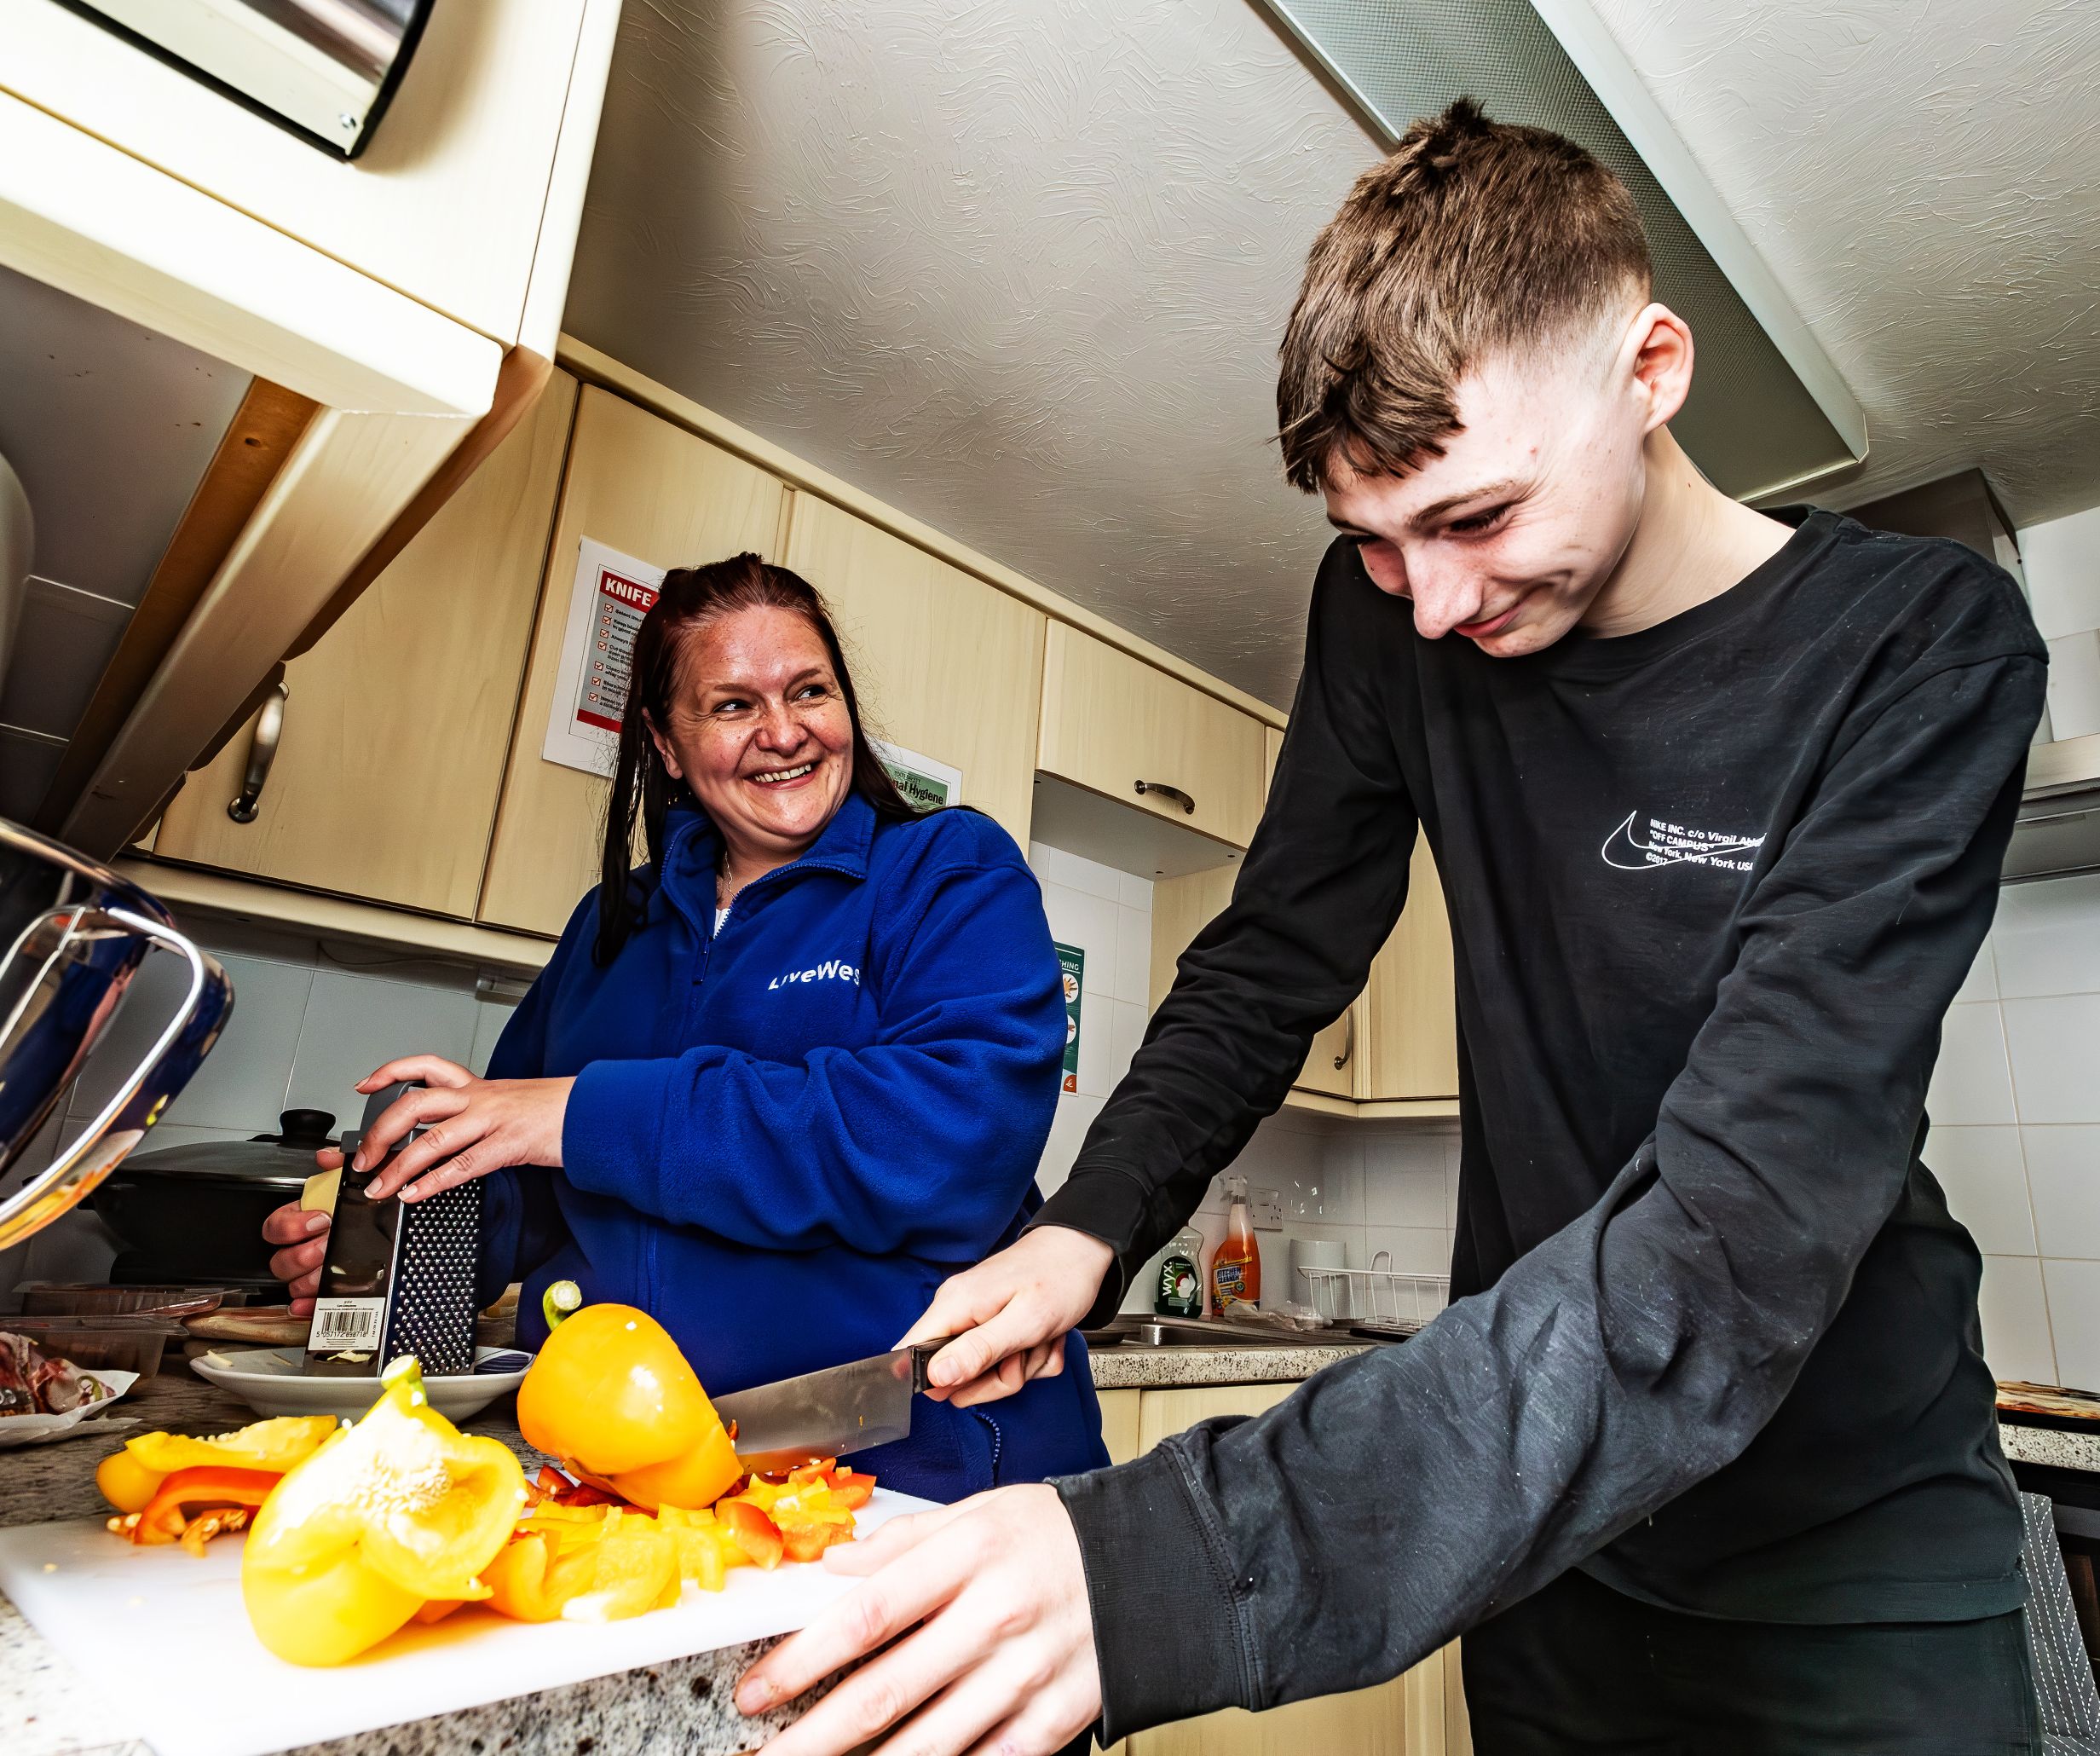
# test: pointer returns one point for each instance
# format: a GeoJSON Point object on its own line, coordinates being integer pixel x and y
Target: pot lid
{"type": "Point", "coordinates": [287, 1154]}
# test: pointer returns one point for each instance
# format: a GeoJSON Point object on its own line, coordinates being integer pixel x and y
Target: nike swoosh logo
{"type": "Point", "coordinates": [1643, 857]}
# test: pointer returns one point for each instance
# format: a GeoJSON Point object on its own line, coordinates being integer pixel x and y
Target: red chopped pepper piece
{"type": "Point", "coordinates": [755, 1533]}
{"type": "Point", "coordinates": [205, 1486]}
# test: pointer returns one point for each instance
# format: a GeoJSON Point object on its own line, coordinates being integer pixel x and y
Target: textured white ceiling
{"type": "Point", "coordinates": [1923, 177]}
{"type": "Point", "coordinates": [1020, 268]}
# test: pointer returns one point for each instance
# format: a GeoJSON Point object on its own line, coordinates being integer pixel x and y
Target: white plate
{"type": "Point", "coordinates": [274, 1381]}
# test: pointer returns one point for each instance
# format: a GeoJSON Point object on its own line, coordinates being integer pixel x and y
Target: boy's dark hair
{"type": "Point", "coordinates": [1472, 237]}
{"type": "Point", "coordinates": [643, 789]}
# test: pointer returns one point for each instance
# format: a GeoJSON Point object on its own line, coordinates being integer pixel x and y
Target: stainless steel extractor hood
{"type": "Point", "coordinates": [1769, 416]}
{"type": "Point", "coordinates": [2058, 830]}
{"type": "Point", "coordinates": [324, 69]}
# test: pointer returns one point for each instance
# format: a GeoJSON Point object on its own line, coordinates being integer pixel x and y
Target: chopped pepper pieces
{"type": "Point", "coordinates": [395, 1513]}
{"type": "Point", "coordinates": [602, 1567]}
{"type": "Point", "coordinates": [163, 1517]}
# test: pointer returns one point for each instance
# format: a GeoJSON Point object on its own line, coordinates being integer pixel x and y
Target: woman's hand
{"type": "Point", "coordinates": [471, 1126]}
{"type": "Point", "coordinates": [303, 1235]}
{"type": "Point", "coordinates": [1000, 1652]}
{"type": "Point", "coordinates": [1009, 1314]}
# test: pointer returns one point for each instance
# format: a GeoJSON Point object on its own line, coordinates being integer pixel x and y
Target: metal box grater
{"type": "Point", "coordinates": [397, 1278]}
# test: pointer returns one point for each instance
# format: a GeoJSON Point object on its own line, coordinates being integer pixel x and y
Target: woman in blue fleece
{"type": "Point", "coordinates": [779, 1083]}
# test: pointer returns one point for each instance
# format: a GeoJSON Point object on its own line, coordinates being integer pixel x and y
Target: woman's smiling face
{"type": "Point", "coordinates": [759, 729]}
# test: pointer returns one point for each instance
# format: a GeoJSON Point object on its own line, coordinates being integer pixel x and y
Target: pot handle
{"type": "Point", "coordinates": [144, 1093]}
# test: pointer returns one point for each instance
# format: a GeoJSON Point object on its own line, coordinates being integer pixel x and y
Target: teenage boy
{"type": "Point", "coordinates": [1704, 1456]}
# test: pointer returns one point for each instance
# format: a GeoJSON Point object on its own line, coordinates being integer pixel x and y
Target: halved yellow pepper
{"type": "Point", "coordinates": [130, 1478]}
{"type": "Point", "coordinates": [390, 1514]}
{"type": "Point", "coordinates": [601, 1569]}
{"type": "Point", "coordinates": [611, 1396]}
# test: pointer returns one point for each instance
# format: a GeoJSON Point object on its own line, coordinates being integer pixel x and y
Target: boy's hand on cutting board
{"type": "Point", "coordinates": [471, 1126]}
{"type": "Point", "coordinates": [1010, 1314]}
{"type": "Point", "coordinates": [1001, 1657]}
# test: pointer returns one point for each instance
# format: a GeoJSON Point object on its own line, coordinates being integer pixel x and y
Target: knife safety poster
{"type": "Point", "coordinates": [611, 594]}
{"type": "Point", "coordinates": [1072, 967]}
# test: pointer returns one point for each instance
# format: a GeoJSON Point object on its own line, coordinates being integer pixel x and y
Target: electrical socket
{"type": "Point", "coordinates": [1267, 1208]}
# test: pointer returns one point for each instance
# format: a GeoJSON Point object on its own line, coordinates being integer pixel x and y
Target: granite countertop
{"type": "Point", "coordinates": [1128, 1368]}
{"type": "Point", "coordinates": [46, 1709]}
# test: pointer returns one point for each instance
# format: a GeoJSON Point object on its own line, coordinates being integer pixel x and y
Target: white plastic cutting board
{"type": "Point", "coordinates": [163, 1635]}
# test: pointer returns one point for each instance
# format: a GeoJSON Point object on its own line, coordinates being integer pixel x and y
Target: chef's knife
{"type": "Point", "coordinates": [828, 1413]}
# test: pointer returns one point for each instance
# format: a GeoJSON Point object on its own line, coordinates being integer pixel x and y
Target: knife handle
{"type": "Point", "coordinates": [922, 1354]}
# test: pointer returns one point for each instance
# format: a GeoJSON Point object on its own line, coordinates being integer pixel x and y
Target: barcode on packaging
{"type": "Point", "coordinates": [347, 1323]}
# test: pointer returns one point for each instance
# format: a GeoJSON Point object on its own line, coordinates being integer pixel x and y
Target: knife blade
{"type": "Point", "coordinates": [828, 1413]}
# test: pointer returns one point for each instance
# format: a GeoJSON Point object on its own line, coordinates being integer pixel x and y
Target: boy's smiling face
{"type": "Point", "coordinates": [1508, 538]}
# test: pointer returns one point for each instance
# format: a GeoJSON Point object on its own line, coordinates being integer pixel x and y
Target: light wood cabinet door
{"type": "Point", "coordinates": [943, 664]}
{"type": "Point", "coordinates": [1181, 908]}
{"type": "Point", "coordinates": [658, 493]}
{"type": "Point", "coordinates": [396, 722]}
{"type": "Point", "coordinates": [1420, 1714]}
{"type": "Point", "coordinates": [1120, 1423]}
{"type": "Point", "coordinates": [1110, 721]}
{"type": "Point", "coordinates": [1410, 1046]}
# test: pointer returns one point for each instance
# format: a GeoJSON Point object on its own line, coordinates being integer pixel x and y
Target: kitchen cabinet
{"type": "Point", "coordinates": [1409, 1046]}
{"type": "Point", "coordinates": [1119, 727]}
{"type": "Point", "coordinates": [1420, 1714]}
{"type": "Point", "coordinates": [397, 723]}
{"type": "Point", "coordinates": [659, 494]}
{"type": "Point", "coordinates": [937, 654]}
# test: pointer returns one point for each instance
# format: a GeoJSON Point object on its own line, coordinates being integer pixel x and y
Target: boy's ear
{"type": "Point", "coordinates": [1658, 351]}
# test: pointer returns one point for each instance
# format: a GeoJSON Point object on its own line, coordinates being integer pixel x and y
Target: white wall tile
{"type": "Point", "coordinates": [1054, 865]}
{"type": "Point", "coordinates": [1068, 1132]}
{"type": "Point", "coordinates": [2046, 939]}
{"type": "Point", "coordinates": [1981, 981]}
{"type": "Point", "coordinates": [2064, 1175]}
{"type": "Point", "coordinates": [2074, 684]}
{"type": "Point", "coordinates": [2015, 1320]}
{"type": "Point", "coordinates": [2054, 1045]}
{"type": "Point", "coordinates": [1133, 892]}
{"type": "Point", "coordinates": [1126, 1032]}
{"type": "Point", "coordinates": [354, 1024]}
{"type": "Point", "coordinates": [1077, 918]}
{"type": "Point", "coordinates": [1404, 1182]}
{"type": "Point", "coordinates": [2060, 559]}
{"type": "Point", "coordinates": [1985, 1179]}
{"type": "Point", "coordinates": [1134, 954]}
{"type": "Point", "coordinates": [1097, 1043]}
{"type": "Point", "coordinates": [1416, 1249]}
{"type": "Point", "coordinates": [2074, 1289]}
{"type": "Point", "coordinates": [1970, 1085]}
{"type": "Point", "coordinates": [490, 1017]}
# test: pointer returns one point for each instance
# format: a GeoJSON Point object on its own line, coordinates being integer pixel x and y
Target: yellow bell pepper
{"type": "Point", "coordinates": [611, 1396]}
{"type": "Point", "coordinates": [707, 1552]}
{"type": "Point", "coordinates": [397, 1511]}
{"type": "Point", "coordinates": [594, 1568]}
{"type": "Point", "coordinates": [130, 1478]}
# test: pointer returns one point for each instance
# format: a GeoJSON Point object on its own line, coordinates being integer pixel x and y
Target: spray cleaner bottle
{"type": "Point", "coordinates": [1236, 1269]}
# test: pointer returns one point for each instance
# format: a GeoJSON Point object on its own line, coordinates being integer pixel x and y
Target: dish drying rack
{"type": "Point", "coordinates": [1380, 1297]}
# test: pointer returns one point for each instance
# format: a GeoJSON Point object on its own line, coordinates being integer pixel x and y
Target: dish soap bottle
{"type": "Point", "coordinates": [1236, 1270]}
{"type": "Point", "coordinates": [1180, 1291]}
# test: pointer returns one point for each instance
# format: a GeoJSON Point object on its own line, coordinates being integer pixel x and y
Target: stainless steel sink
{"type": "Point", "coordinates": [1136, 1331]}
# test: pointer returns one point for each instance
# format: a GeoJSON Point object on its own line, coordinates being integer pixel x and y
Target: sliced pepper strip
{"type": "Point", "coordinates": [128, 1478]}
{"type": "Point", "coordinates": [163, 1517]}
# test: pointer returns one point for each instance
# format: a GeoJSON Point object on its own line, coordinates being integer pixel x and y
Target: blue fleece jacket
{"type": "Point", "coordinates": [784, 1136]}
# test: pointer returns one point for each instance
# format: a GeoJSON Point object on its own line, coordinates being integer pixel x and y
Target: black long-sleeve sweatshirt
{"type": "Point", "coordinates": [1712, 885]}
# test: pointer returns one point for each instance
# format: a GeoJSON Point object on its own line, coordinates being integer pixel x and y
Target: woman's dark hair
{"type": "Point", "coordinates": [643, 787]}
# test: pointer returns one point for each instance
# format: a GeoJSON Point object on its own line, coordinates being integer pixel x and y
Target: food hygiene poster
{"type": "Point", "coordinates": [1072, 967]}
{"type": "Point", "coordinates": [610, 595]}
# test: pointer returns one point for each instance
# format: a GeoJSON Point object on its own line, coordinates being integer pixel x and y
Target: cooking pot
{"type": "Point", "coordinates": [192, 1215]}
{"type": "Point", "coordinates": [72, 934]}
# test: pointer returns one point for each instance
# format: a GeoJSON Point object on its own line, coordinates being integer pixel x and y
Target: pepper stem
{"type": "Point", "coordinates": [560, 1300]}
{"type": "Point", "coordinates": [404, 1369]}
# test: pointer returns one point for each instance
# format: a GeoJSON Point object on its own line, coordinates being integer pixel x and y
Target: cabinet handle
{"type": "Point", "coordinates": [1348, 1039]}
{"type": "Point", "coordinates": [1187, 804]}
{"type": "Point", "coordinates": [269, 727]}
